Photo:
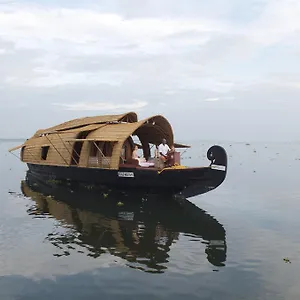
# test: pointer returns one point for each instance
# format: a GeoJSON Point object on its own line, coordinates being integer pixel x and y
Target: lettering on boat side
{"type": "Point", "coordinates": [126, 174]}
{"type": "Point", "coordinates": [218, 167]}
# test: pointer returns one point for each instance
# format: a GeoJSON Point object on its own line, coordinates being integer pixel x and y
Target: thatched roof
{"type": "Point", "coordinates": [152, 130]}
{"type": "Point", "coordinates": [77, 123]}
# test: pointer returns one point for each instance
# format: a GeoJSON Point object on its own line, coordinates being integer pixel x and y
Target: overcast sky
{"type": "Point", "coordinates": [221, 70]}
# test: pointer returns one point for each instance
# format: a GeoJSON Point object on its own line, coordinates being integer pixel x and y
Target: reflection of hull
{"type": "Point", "coordinates": [127, 225]}
{"type": "Point", "coordinates": [189, 181]}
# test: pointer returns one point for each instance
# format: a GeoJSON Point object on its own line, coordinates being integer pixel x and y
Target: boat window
{"type": "Point", "coordinates": [44, 152]}
{"type": "Point", "coordinates": [153, 150]}
{"type": "Point", "coordinates": [137, 142]}
{"type": "Point", "coordinates": [100, 154]}
{"type": "Point", "coordinates": [95, 148]}
{"type": "Point", "coordinates": [107, 148]}
{"type": "Point", "coordinates": [78, 147]}
{"type": "Point", "coordinates": [76, 153]}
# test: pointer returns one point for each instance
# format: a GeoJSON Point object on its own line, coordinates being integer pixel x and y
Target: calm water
{"type": "Point", "coordinates": [227, 244]}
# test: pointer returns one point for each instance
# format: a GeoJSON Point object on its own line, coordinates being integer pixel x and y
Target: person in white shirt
{"type": "Point", "coordinates": [163, 150]}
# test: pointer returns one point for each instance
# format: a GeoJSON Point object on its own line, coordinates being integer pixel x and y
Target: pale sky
{"type": "Point", "coordinates": [221, 70]}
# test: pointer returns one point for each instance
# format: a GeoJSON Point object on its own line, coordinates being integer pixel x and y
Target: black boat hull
{"type": "Point", "coordinates": [188, 181]}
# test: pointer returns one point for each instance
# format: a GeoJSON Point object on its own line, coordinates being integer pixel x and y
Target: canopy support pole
{"type": "Point", "coordinates": [73, 149]}
{"type": "Point", "coordinates": [15, 148]}
{"type": "Point", "coordinates": [15, 155]}
{"type": "Point", "coordinates": [101, 152]}
{"type": "Point", "coordinates": [68, 150]}
{"type": "Point", "coordinates": [183, 152]}
{"type": "Point", "coordinates": [57, 150]}
{"type": "Point", "coordinates": [20, 157]}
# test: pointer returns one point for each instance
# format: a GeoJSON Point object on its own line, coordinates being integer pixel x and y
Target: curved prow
{"type": "Point", "coordinates": [218, 157]}
{"type": "Point", "coordinates": [218, 166]}
{"type": "Point", "coordinates": [215, 175]}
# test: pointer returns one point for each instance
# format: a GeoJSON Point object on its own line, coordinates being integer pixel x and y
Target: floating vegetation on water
{"type": "Point", "coordinates": [287, 260]}
{"type": "Point", "coordinates": [105, 195]}
{"type": "Point", "coordinates": [120, 203]}
{"type": "Point", "coordinates": [57, 255]}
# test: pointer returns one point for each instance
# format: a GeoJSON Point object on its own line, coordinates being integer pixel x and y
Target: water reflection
{"type": "Point", "coordinates": [135, 227]}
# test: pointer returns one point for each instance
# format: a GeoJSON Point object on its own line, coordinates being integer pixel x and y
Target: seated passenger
{"type": "Point", "coordinates": [164, 151]}
{"type": "Point", "coordinates": [134, 152]}
{"type": "Point", "coordinates": [135, 155]}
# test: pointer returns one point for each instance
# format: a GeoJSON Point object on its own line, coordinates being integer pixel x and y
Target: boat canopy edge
{"type": "Point", "coordinates": [100, 139]}
{"type": "Point", "coordinates": [15, 148]}
{"type": "Point", "coordinates": [178, 145]}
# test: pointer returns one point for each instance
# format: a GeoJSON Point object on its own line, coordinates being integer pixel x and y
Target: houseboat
{"type": "Point", "coordinates": [99, 151]}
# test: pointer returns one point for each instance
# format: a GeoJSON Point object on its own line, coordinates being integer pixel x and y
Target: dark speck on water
{"type": "Point", "coordinates": [240, 241]}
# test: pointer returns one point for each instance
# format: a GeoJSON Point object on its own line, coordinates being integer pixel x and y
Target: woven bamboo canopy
{"type": "Point", "coordinates": [78, 123]}
{"type": "Point", "coordinates": [71, 143]}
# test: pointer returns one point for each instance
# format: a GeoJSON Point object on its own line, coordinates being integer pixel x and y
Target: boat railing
{"type": "Point", "coordinates": [99, 162]}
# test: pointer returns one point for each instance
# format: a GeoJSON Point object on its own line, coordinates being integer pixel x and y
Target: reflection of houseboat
{"type": "Point", "coordinates": [98, 150]}
{"type": "Point", "coordinates": [138, 230]}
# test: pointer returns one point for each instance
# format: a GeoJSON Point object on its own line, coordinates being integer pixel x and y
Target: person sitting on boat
{"type": "Point", "coordinates": [164, 151]}
{"type": "Point", "coordinates": [134, 152]}
{"type": "Point", "coordinates": [135, 155]}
